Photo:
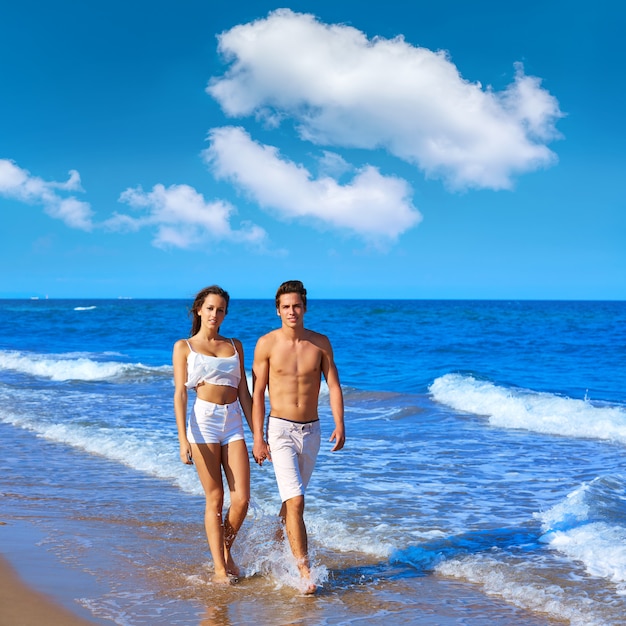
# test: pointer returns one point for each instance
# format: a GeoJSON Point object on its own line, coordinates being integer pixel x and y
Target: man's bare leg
{"type": "Point", "coordinates": [292, 511]}
{"type": "Point", "coordinates": [280, 531]}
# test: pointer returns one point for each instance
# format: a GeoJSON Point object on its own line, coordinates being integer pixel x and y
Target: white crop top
{"type": "Point", "coordinates": [215, 370]}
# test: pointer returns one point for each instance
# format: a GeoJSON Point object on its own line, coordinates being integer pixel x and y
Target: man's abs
{"type": "Point", "coordinates": [294, 412]}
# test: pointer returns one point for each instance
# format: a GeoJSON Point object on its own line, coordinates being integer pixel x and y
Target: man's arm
{"type": "Point", "coordinates": [329, 369]}
{"type": "Point", "coordinates": [260, 380]}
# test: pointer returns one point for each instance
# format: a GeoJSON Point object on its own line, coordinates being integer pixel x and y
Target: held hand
{"type": "Point", "coordinates": [185, 454]}
{"type": "Point", "coordinates": [261, 451]}
{"type": "Point", "coordinates": [339, 438]}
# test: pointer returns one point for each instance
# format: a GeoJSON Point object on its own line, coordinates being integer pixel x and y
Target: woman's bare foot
{"type": "Point", "coordinates": [231, 568]}
{"type": "Point", "coordinates": [222, 579]}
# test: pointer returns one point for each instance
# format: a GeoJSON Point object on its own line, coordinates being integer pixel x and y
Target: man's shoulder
{"type": "Point", "coordinates": [268, 338]}
{"type": "Point", "coordinates": [318, 339]}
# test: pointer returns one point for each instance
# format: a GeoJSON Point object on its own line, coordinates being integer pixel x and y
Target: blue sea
{"type": "Point", "coordinates": [483, 479]}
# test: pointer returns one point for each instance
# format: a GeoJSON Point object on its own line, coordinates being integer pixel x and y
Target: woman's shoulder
{"type": "Point", "coordinates": [236, 342]}
{"type": "Point", "coordinates": [182, 345]}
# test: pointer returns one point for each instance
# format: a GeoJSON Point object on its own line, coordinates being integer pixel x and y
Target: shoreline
{"type": "Point", "coordinates": [37, 588]}
{"type": "Point", "coordinates": [81, 552]}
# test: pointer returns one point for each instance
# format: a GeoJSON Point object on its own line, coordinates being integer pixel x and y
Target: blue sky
{"type": "Point", "coordinates": [372, 150]}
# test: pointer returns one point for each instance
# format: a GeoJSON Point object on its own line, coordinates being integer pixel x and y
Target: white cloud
{"type": "Point", "coordinates": [19, 184]}
{"type": "Point", "coordinates": [346, 90]}
{"type": "Point", "coordinates": [372, 205]}
{"type": "Point", "coordinates": [182, 218]}
{"type": "Point", "coordinates": [333, 164]}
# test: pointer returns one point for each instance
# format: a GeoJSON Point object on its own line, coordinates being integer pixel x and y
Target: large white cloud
{"type": "Point", "coordinates": [346, 90]}
{"type": "Point", "coordinates": [375, 206]}
{"type": "Point", "coordinates": [20, 184]}
{"type": "Point", "coordinates": [182, 217]}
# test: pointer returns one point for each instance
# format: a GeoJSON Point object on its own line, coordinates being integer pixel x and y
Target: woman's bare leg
{"type": "Point", "coordinates": [236, 464]}
{"type": "Point", "coordinates": [207, 459]}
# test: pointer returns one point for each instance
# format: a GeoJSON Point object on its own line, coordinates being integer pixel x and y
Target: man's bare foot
{"type": "Point", "coordinates": [306, 585]}
{"type": "Point", "coordinates": [308, 588]}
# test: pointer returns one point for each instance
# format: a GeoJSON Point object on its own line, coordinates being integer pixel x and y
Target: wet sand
{"type": "Point", "coordinates": [35, 588]}
{"type": "Point", "coordinates": [21, 605]}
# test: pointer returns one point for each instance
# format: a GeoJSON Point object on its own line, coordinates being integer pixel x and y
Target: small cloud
{"type": "Point", "coordinates": [374, 206]}
{"type": "Point", "coordinates": [333, 165]}
{"type": "Point", "coordinates": [346, 90]}
{"type": "Point", "coordinates": [19, 184]}
{"type": "Point", "coordinates": [182, 218]}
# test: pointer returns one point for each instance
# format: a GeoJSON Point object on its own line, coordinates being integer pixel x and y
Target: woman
{"type": "Point", "coordinates": [214, 367]}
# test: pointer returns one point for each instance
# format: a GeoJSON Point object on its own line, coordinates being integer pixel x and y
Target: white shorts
{"type": "Point", "coordinates": [215, 423]}
{"type": "Point", "coordinates": [294, 447]}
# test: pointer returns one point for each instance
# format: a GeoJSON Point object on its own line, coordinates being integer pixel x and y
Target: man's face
{"type": "Point", "coordinates": [291, 310]}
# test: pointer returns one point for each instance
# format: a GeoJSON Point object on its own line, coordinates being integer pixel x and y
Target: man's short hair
{"type": "Point", "coordinates": [291, 286]}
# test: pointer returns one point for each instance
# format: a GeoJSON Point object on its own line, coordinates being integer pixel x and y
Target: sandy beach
{"type": "Point", "coordinates": [35, 588]}
{"type": "Point", "coordinates": [21, 605]}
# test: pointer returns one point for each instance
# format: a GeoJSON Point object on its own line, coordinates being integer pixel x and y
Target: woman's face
{"type": "Point", "coordinates": [213, 311]}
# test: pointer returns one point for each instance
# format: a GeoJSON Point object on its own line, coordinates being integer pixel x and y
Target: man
{"type": "Point", "coordinates": [291, 361]}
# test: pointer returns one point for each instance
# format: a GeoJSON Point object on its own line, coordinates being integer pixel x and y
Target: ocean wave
{"type": "Point", "coordinates": [588, 526]}
{"type": "Point", "coordinates": [63, 367]}
{"type": "Point", "coordinates": [530, 410]}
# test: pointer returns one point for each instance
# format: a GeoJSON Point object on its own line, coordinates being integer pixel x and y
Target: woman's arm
{"type": "Point", "coordinates": [179, 361]}
{"type": "Point", "coordinates": [245, 399]}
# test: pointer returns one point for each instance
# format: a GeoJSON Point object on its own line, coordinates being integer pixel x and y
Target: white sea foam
{"type": "Point", "coordinates": [336, 535]}
{"type": "Point", "coordinates": [515, 584]}
{"type": "Point", "coordinates": [588, 526]}
{"type": "Point", "coordinates": [530, 410]}
{"type": "Point", "coordinates": [71, 366]}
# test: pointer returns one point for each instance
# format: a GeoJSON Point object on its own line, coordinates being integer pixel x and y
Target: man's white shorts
{"type": "Point", "coordinates": [294, 447]}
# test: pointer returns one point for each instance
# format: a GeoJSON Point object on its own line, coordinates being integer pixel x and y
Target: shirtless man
{"type": "Point", "coordinates": [291, 361]}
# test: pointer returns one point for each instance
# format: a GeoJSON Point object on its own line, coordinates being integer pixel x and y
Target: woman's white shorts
{"type": "Point", "coordinates": [215, 423]}
{"type": "Point", "coordinates": [294, 447]}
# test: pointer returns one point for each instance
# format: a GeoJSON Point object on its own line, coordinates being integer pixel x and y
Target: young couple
{"type": "Point", "coordinates": [290, 362]}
